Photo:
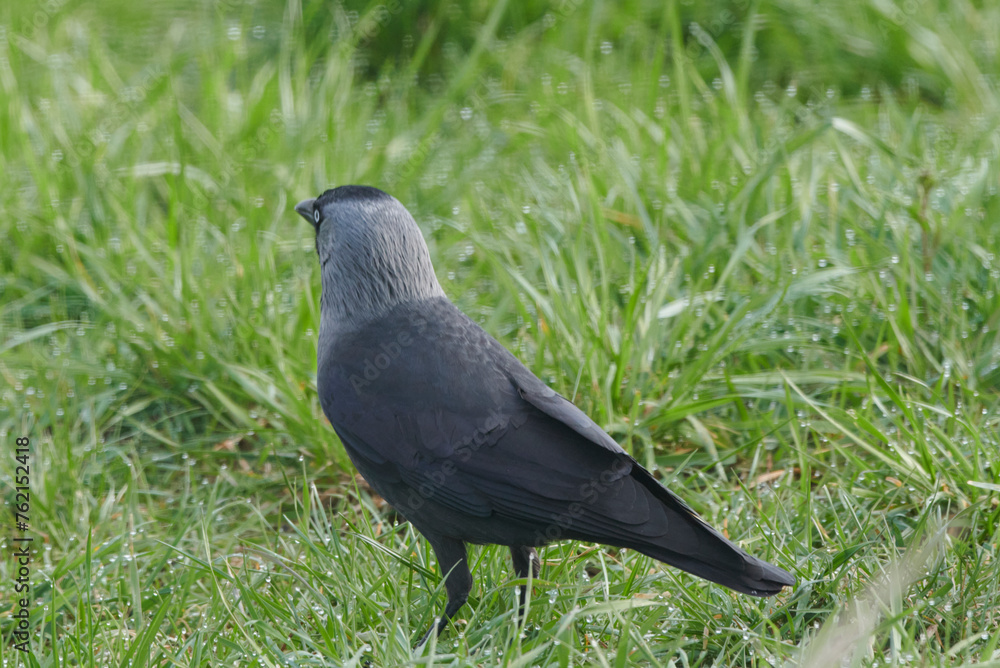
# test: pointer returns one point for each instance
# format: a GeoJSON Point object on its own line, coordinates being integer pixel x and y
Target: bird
{"type": "Point", "coordinates": [460, 437]}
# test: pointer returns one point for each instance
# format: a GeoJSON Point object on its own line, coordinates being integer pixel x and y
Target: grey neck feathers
{"type": "Point", "coordinates": [370, 273]}
{"type": "Point", "coordinates": [348, 305]}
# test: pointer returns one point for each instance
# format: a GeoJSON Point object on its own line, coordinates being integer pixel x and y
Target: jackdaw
{"type": "Point", "coordinates": [460, 437]}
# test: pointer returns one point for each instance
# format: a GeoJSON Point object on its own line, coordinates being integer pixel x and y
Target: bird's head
{"type": "Point", "coordinates": [371, 253]}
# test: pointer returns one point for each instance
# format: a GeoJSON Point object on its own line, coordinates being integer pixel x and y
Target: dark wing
{"type": "Point", "coordinates": [428, 399]}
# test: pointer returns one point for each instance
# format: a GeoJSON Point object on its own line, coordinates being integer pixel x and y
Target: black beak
{"type": "Point", "coordinates": [305, 209]}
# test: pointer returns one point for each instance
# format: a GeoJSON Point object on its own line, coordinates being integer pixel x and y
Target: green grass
{"type": "Point", "coordinates": [762, 253]}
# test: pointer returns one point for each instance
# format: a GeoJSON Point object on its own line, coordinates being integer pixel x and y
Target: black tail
{"type": "Point", "coordinates": [693, 546]}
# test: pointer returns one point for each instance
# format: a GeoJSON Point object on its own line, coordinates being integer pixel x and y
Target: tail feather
{"type": "Point", "coordinates": [752, 576]}
{"type": "Point", "coordinates": [711, 556]}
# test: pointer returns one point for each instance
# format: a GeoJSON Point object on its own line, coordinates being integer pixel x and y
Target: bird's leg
{"type": "Point", "coordinates": [458, 580]}
{"type": "Point", "coordinates": [525, 560]}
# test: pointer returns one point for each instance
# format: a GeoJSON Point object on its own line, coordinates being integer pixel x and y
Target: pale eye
{"type": "Point", "coordinates": [316, 216]}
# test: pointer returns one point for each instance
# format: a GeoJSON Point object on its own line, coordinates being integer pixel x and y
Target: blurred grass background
{"type": "Point", "coordinates": [756, 241]}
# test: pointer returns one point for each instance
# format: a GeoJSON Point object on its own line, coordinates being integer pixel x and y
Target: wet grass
{"type": "Point", "coordinates": [765, 260]}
